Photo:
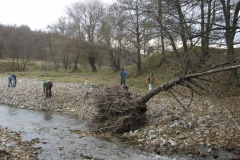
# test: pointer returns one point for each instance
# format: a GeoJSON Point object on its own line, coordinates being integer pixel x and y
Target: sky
{"type": "Point", "coordinates": [36, 14]}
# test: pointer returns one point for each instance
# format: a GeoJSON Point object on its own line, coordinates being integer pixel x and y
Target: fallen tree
{"type": "Point", "coordinates": [119, 110]}
{"type": "Point", "coordinates": [181, 81]}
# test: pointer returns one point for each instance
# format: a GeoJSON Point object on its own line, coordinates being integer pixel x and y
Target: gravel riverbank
{"type": "Point", "coordinates": [205, 128]}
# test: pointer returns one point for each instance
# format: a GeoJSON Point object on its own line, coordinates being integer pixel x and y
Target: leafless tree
{"type": "Point", "coordinates": [135, 23]}
{"type": "Point", "coordinates": [231, 24]}
{"type": "Point", "coordinates": [113, 34]}
{"type": "Point", "coordinates": [27, 45]}
{"type": "Point", "coordinates": [52, 48]}
{"type": "Point", "coordinates": [88, 15]}
{"type": "Point", "coordinates": [207, 20]}
{"type": "Point", "coordinates": [75, 16]}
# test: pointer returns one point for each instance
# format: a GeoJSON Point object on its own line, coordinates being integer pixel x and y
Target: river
{"type": "Point", "coordinates": [58, 142]}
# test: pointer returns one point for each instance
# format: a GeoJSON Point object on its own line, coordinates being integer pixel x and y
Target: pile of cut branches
{"type": "Point", "coordinates": [117, 111]}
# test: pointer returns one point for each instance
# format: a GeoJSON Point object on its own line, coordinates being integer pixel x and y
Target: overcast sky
{"type": "Point", "coordinates": [37, 14]}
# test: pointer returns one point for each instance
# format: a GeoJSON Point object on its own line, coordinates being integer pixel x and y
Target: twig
{"type": "Point", "coordinates": [178, 100]}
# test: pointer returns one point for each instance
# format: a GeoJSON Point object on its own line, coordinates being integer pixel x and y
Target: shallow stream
{"type": "Point", "coordinates": [54, 130]}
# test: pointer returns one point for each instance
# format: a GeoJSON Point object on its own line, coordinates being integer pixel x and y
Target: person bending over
{"type": "Point", "coordinates": [12, 80]}
{"type": "Point", "coordinates": [47, 86]}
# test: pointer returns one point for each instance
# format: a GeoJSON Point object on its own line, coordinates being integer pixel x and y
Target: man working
{"type": "Point", "coordinates": [12, 80]}
{"type": "Point", "coordinates": [47, 86]}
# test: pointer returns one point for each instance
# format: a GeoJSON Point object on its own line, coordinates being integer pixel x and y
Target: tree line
{"type": "Point", "coordinates": [93, 33]}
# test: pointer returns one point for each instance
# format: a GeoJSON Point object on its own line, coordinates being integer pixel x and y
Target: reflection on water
{"type": "Point", "coordinates": [47, 115]}
{"type": "Point", "coordinates": [12, 111]}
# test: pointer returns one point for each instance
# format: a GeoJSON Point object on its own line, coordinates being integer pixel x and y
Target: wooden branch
{"type": "Point", "coordinates": [224, 64]}
{"type": "Point", "coordinates": [178, 100]}
{"type": "Point", "coordinates": [197, 85]}
{"type": "Point", "coordinates": [191, 88]}
{"type": "Point", "coordinates": [207, 80]}
{"type": "Point", "coordinates": [189, 102]}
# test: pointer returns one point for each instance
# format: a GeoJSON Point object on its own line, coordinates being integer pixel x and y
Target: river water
{"type": "Point", "coordinates": [58, 142]}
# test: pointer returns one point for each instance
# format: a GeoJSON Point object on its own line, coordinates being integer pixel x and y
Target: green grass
{"type": "Point", "coordinates": [103, 76]}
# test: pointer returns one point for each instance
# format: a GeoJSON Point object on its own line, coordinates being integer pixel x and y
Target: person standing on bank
{"type": "Point", "coordinates": [123, 74]}
{"type": "Point", "coordinates": [47, 86]}
{"type": "Point", "coordinates": [150, 80]}
{"type": "Point", "coordinates": [12, 80]}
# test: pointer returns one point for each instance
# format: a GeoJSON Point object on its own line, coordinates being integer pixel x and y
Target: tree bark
{"type": "Point", "coordinates": [183, 29]}
{"type": "Point", "coordinates": [231, 28]}
{"type": "Point", "coordinates": [160, 12]}
{"type": "Point", "coordinates": [91, 61]}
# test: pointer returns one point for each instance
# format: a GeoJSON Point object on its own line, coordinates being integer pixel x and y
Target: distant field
{"type": "Point", "coordinates": [36, 70]}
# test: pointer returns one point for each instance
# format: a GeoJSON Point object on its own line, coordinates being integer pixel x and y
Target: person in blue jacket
{"type": "Point", "coordinates": [123, 74]}
{"type": "Point", "coordinates": [47, 86]}
{"type": "Point", "coordinates": [12, 80]}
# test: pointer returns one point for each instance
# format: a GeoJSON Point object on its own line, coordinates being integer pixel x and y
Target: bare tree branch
{"type": "Point", "coordinates": [177, 100]}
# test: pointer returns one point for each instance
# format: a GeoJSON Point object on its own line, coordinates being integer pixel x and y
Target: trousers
{"type": "Point", "coordinates": [48, 89]}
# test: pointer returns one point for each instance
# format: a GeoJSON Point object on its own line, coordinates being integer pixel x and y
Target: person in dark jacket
{"type": "Point", "coordinates": [47, 86]}
{"type": "Point", "coordinates": [12, 80]}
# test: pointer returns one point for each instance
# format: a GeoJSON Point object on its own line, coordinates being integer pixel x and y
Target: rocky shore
{"type": "Point", "coordinates": [206, 127]}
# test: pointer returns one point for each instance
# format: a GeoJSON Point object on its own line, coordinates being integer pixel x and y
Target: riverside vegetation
{"type": "Point", "coordinates": [208, 122]}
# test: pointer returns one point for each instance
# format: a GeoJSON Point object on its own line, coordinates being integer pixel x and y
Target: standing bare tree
{"type": "Point", "coordinates": [207, 20]}
{"type": "Point", "coordinates": [75, 16]}
{"type": "Point", "coordinates": [160, 20]}
{"type": "Point", "coordinates": [52, 48]}
{"type": "Point", "coordinates": [27, 46]}
{"type": "Point", "coordinates": [113, 34]}
{"type": "Point", "coordinates": [231, 24]}
{"type": "Point", "coordinates": [1, 40]}
{"type": "Point", "coordinates": [63, 40]}
{"type": "Point", "coordinates": [134, 24]}
{"type": "Point", "coordinates": [89, 17]}
{"type": "Point", "coordinates": [12, 44]}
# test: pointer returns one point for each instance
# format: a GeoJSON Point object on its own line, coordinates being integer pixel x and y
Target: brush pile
{"type": "Point", "coordinates": [117, 111]}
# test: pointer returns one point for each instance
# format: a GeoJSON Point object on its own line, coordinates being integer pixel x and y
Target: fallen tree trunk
{"type": "Point", "coordinates": [168, 85]}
